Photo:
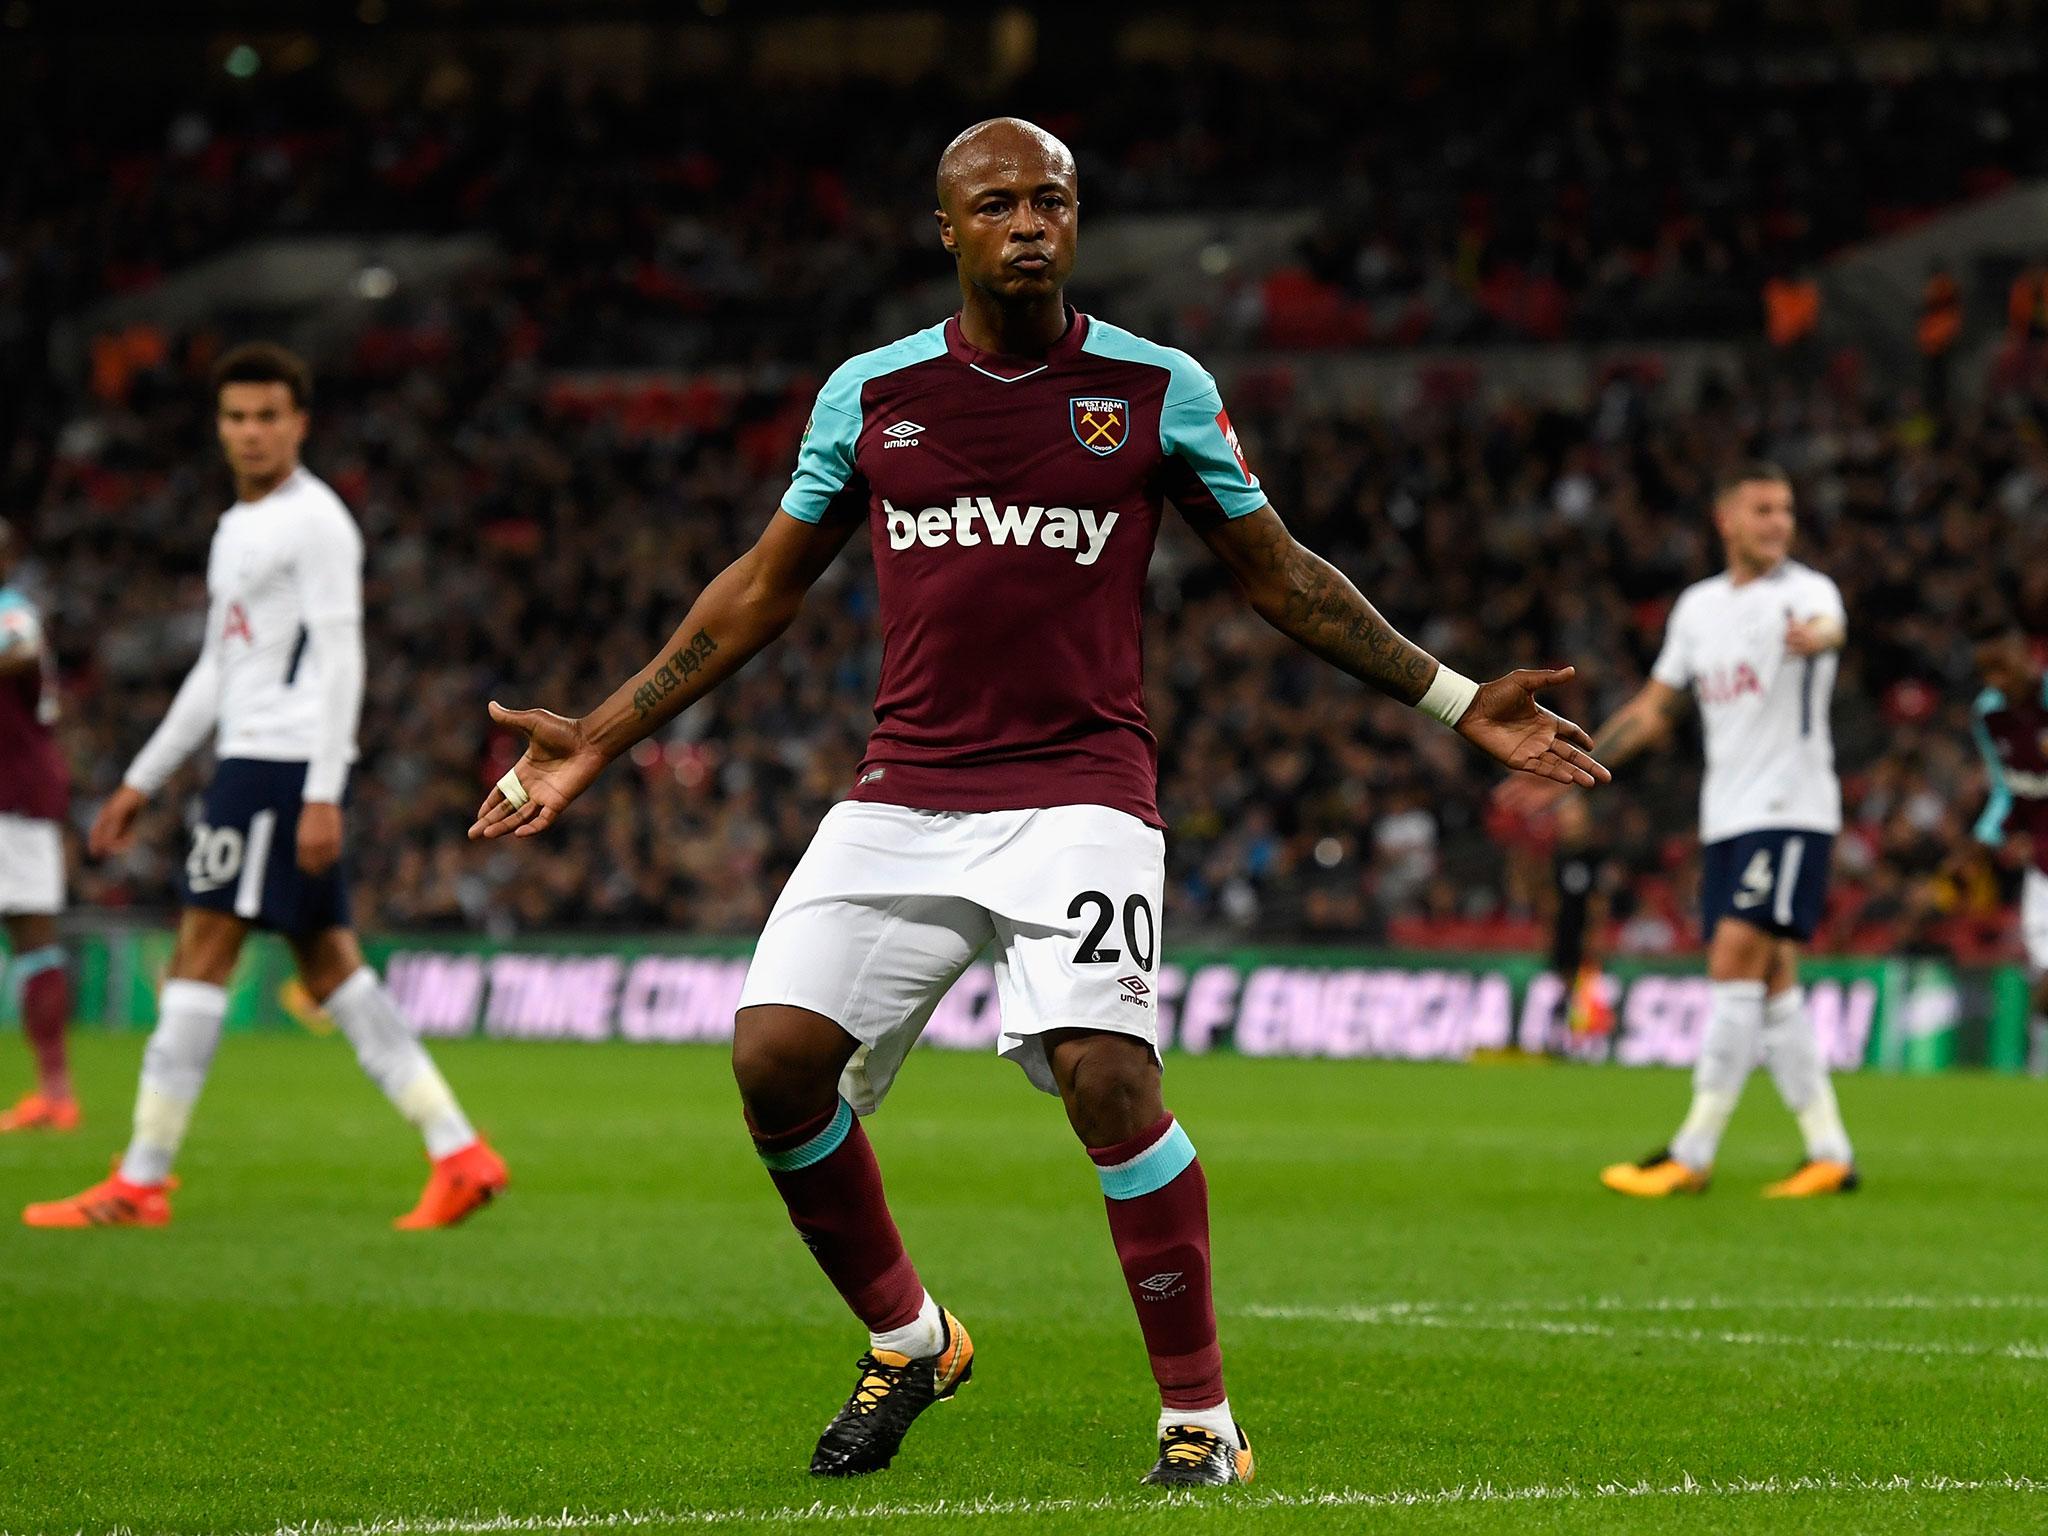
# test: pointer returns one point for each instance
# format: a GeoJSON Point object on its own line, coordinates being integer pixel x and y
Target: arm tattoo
{"type": "Point", "coordinates": [677, 670]}
{"type": "Point", "coordinates": [1327, 614]}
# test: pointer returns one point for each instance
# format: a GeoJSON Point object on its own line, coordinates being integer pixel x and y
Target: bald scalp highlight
{"type": "Point", "coordinates": [1000, 137]}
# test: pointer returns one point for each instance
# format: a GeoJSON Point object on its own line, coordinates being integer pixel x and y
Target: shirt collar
{"type": "Point", "coordinates": [1010, 368]}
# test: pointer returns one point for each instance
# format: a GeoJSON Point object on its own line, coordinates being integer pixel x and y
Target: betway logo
{"type": "Point", "coordinates": [973, 520]}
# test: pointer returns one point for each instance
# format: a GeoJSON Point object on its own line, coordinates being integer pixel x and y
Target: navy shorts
{"type": "Point", "coordinates": [1776, 881]}
{"type": "Point", "coordinates": [245, 853]}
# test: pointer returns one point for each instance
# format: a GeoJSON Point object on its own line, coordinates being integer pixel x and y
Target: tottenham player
{"type": "Point", "coordinates": [2011, 726]}
{"type": "Point", "coordinates": [279, 683]}
{"type": "Point", "coordinates": [34, 793]}
{"type": "Point", "coordinates": [1756, 645]}
{"type": "Point", "coordinates": [1011, 463]}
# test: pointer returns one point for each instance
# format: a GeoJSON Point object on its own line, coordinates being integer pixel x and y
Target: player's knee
{"type": "Point", "coordinates": [1111, 1087]}
{"type": "Point", "coordinates": [205, 952]}
{"type": "Point", "coordinates": [1740, 952]}
{"type": "Point", "coordinates": [783, 1077]}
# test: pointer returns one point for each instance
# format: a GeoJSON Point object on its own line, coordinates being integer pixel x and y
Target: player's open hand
{"type": "Point", "coordinates": [113, 830]}
{"type": "Point", "coordinates": [559, 764]}
{"type": "Point", "coordinates": [319, 836]}
{"type": "Point", "coordinates": [1506, 723]}
{"type": "Point", "coordinates": [1809, 637]}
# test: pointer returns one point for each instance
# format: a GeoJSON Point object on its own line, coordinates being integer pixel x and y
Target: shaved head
{"type": "Point", "coordinates": [1002, 151]}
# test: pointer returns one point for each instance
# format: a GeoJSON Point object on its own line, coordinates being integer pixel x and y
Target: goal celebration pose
{"type": "Point", "coordinates": [279, 684]}
{"type": "Point", "coordinates": [1011, 464]}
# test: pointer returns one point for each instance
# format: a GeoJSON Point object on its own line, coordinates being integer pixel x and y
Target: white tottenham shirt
{"type": "Point", "coordinates": [1764, 711]}
{"type": "Point", "coordinates": [280, 674]}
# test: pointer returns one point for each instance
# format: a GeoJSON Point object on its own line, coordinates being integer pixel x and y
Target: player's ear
{"type": "Point", "coordinates": [946, 232]}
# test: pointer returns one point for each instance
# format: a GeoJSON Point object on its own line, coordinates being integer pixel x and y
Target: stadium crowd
{"type": "Point", "coordinates": [718, 215]}
{"type": "Point", "coordinates": [534, 529]}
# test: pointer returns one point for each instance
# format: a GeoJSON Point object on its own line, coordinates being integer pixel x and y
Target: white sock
{"type": "Point", "coordinates": [1792, 1053]}
{"type": "Point", "coordinates": [1217, 1420]}
{"type": "Point", "coordinates": [398, 1063]}
{"type": "Point", "coordinates": [1735, 1021]}
{"type": "Point", "coordinates": [181, 1047]}
{"type": "Point", "coordinates": [923, 1335]}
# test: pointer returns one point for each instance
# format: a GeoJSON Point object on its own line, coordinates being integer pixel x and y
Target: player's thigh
{"type": "Point", "coordinates": [30, 930]}
{"type": "Point", "coordinates": [31, 867]}
{"type": "Point", "coordinates": [875, 966]}
{"type": "Point", "coordinates": [1087, 959]}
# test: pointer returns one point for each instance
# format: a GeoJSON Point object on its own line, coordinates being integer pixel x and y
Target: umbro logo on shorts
{"type": "Point", "coordinates": [902, 435]}
{"type": "Point", "coordinates": [1135, 990]}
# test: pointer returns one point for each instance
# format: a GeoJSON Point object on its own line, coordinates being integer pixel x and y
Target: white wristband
{"type": "Point", "coordinates": [1450, 695]}
{"type": "Point", "coordinates": [514, 792]}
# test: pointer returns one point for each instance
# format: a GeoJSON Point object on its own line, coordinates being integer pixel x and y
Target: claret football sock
{"type": "Point", "coordinates": [1728, 1054]}
{"type": "Point", "coordinates": [174, 1067]}
{"type": "Point", "coordinates": [397, 1063]}
{"type": "Point", "coordinates": [1158, 1205]}
{"type": "Point", "coordinates": [826, 1173]}
{"type": "Point", "coordinates": [1791, 1052]}
{"type": "Point", "coordinates": [45, 992]}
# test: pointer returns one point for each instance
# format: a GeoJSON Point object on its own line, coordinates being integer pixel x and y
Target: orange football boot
{"type": "Point", "coordinates": [1654, 1177]}
{"type": "Point", "coordinates": [461, 1183]}
{"type": "Point", "coordinates": [38, 1112]}
{"type": "Point", "coordinates": [113, 1202]}
{"type": "Point", "coordinates": [1817, 1177]}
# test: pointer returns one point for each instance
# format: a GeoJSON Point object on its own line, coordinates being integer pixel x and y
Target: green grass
{"type": "Point", "coordinates": [636, 1328]}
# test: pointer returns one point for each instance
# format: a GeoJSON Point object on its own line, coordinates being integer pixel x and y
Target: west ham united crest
{"type": "Point", "coordinates": [1100, 423]}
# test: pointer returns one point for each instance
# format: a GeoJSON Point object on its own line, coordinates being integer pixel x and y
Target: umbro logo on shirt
{"type": "Point", "coordinates": [975, 520]}
{"type": "Point", "coordinates": [902, 435]}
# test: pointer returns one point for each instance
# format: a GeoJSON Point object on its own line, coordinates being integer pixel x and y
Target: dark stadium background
{"type": "Point", "coordinates": [570, 275]}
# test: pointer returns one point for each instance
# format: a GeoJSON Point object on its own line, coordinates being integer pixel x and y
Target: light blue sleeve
{"type": "Point", "coordinates": [824, 459]}
{"type": "Point", "coordinates": [1194, 429]}
{"type": "Point", "coordinates": [1192, 426]}
{"type": "Point", "coordinates": [20, 627]}
{"type": "Point", "coordinates": [1990, 828]}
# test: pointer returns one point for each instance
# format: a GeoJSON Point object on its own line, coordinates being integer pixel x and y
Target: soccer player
{"type": "Point", "coordinates": [34, 792]}
{"type": "Point", "coordinates": [279, 684]}
{"type": "Point", "coordinates": [1011, 463]}
{"type": "Point", "coordinates": [1757, 647]}
{"type": "Point", "coordinates": [2011, 721]}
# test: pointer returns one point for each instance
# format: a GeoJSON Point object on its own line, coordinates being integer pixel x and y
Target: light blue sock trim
{"type": "Point", "coordinates": [1154, 1168]}
{"type": "Point", "coordinates": [31, 963]}
{"type": "Point", "coordinates": [818, 1148]}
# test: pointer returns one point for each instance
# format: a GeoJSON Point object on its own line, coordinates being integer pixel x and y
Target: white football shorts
{"type": "Point", "coordinates": [889, 905]}
{"type": "Point", "coordinates": [31, 867]}
{"type": "Point", "coordinates": [2034, 920]}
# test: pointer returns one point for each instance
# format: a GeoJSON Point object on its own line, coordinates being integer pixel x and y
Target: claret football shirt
{"type": "Point", "coordinates": [1013, 504]}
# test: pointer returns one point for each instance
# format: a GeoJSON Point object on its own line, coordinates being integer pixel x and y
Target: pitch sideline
{"type": "Point", "coordinates": [1346, 1498]}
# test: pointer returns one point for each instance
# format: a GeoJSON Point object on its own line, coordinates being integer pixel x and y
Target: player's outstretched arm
{"type": "Point", "coordinates": [746, 605]}
{"type": "Point", "coordinates": [1306, 598]}
{"type": "Point", "coordinates": [1644, 722]}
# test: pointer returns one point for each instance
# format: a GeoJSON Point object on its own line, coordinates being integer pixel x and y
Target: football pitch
{"type": "Point", "coordinates": [1433, 1318]}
